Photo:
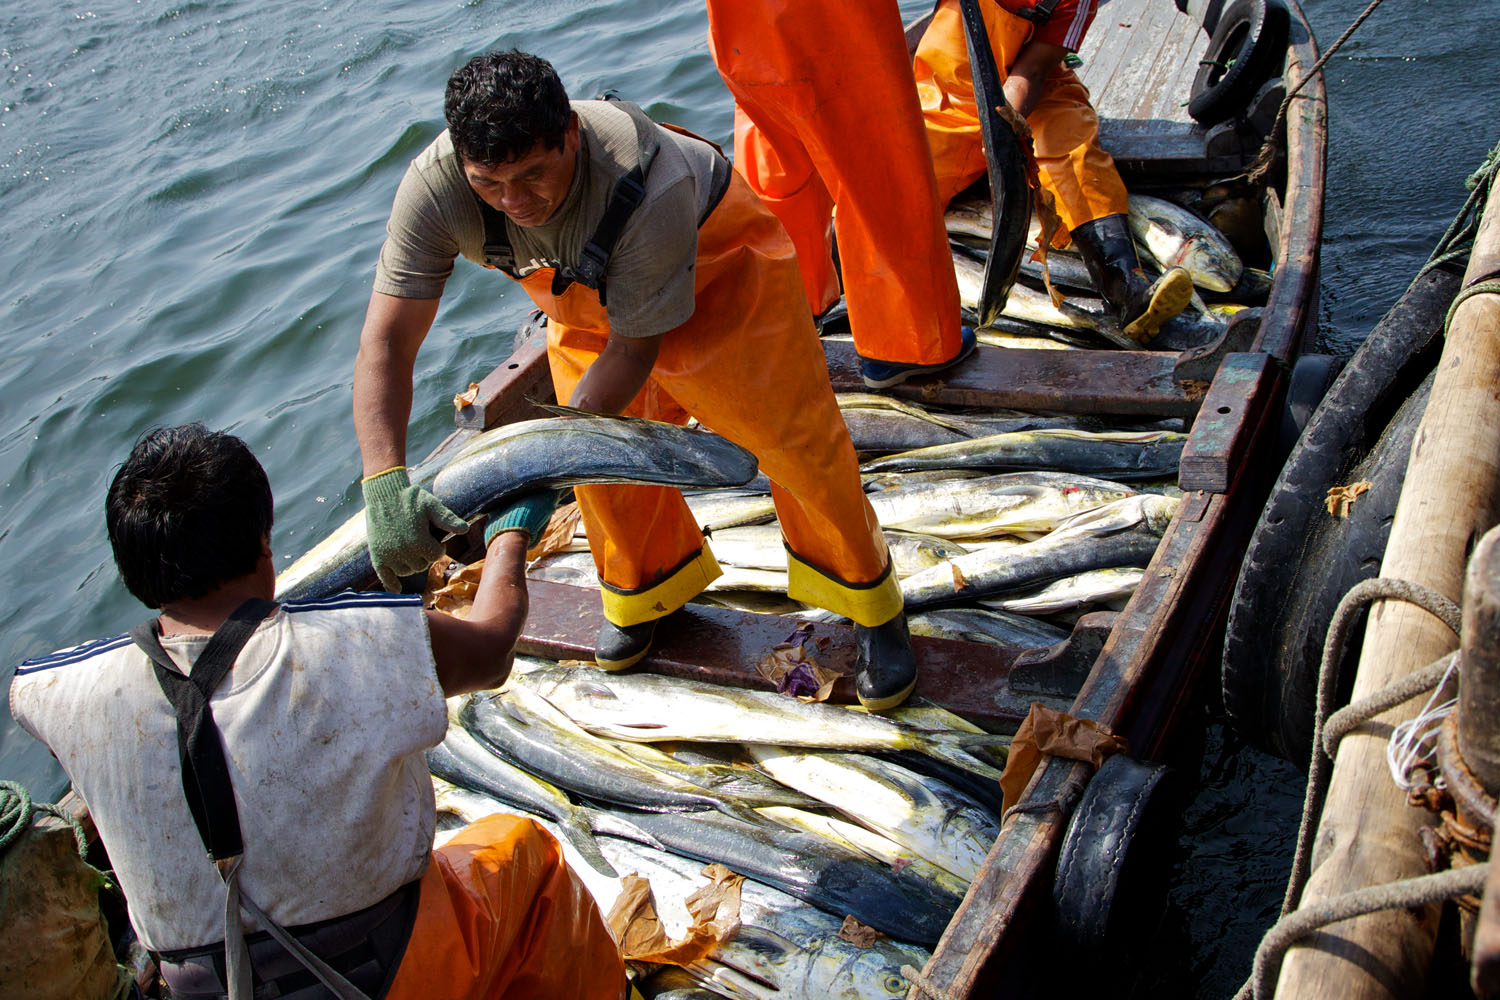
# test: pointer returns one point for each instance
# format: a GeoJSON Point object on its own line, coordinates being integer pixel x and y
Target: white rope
{"type": "Point", "coordinates": [1413, 742]}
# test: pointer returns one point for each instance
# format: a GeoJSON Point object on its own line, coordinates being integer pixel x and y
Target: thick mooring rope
{"type": "Point", "coordinates": [1294, 923]}
{"type": "Point", "coordinates": [17, 811]}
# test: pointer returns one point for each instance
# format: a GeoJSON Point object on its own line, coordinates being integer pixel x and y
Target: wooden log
{"type": "Point", "coordinates": [1479, 687]}
{"type": "Point", "coordinates": [1367, 834]}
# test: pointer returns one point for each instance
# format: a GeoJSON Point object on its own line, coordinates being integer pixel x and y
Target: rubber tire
{"type": "Point", "coordinates": [1108, 879]}
{"type": "Point", "coordinates": [1248, 47]}
{"type": "Point", "coordinates": [1387, 368]}
{"type": "Point", "coordinates": [1340, 553]}
{"type": "Point", "coordinates": [1311, 377]}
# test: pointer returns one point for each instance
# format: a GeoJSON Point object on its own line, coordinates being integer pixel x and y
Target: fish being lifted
{"type": "Point", "coordinates": [529, 455]}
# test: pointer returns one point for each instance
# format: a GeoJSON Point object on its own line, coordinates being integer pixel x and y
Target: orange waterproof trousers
{"type": "Point", "coordinates": [826, 115]}
{"type": "Point", "coordinates": [1064, 127]}
{"type": "Point", "coordinates": [502, 915]}
{"type": "Point", "coordinates": [748, 365]}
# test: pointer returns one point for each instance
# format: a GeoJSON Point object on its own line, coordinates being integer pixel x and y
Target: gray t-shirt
{"type": "Point", "coordinates": [649, 280]}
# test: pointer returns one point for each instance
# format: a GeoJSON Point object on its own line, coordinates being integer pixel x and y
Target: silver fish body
{"type": "Point", "coordinates": [990, 626]}
{"type": "Point", "coordinates": [930, 818]}
{"type": "Point", "coordinates": [983, 506]}
{"type": "Point", "coordinates": [1118, 454]}
{"type": "Point", "coordinates": [1178, 238]}
{"type": "Point", "coordinates": [649, 707]}
{"type": "Point", "coordinates": [1123, 533]}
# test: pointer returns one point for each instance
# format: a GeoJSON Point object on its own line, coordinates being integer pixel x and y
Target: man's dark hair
{"type": "Point", "coordinates": [187, 512]}
{"type": "Point", "coordinates": [501, 104]}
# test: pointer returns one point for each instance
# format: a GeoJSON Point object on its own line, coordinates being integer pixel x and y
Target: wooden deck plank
{"type": "Point", "coordinates": [723, 646]}
{"type": "Point", "coordinates": [1122, 382]}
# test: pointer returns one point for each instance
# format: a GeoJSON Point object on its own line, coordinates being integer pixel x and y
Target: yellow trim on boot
{"type": "Point", "coordinates": [1169, 296]}
{"type": "Point", "coordinates": [631, 607]}
{"type": "Point", "coordinates": [872, 603]}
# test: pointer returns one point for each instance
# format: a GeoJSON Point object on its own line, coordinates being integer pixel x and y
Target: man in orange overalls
{"type": "Point", "coordinates": [806, 75]}
{"type": "Point", "coordinates": [1029, 41]}
{"type": "Point", "coordinates": [670, 292]}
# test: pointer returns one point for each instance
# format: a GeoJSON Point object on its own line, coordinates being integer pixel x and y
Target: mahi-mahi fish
{"type": "Point", "coordinates": [530, 455]}
{"type": "Point", "coordinates": [650, 708]}
{"type": "Point", "coordinates": [1120, 454]}
{"type": "Point", "coordinates": [1122, 533]}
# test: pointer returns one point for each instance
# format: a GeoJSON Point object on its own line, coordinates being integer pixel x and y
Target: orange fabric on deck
{"type": "Point", "coordinates": [501, 915]}
{"type": "Point", "coordinates": [749, 366]}
{"type": "Point", "coordinates": [826, 115]}
{"type": "Point", "coordinates": [1064, 126]}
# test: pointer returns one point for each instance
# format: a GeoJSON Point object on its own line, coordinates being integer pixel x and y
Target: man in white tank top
{"type": "Point", "coordinates": [323, 718]}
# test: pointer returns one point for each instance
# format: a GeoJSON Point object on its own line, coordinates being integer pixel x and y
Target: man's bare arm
{"type": "Point", "coordinates": [617, 374]}
{"type": "Point", "coordinates": [394, 329]}
{"type": "Point", "coordinates": [1023, 87]}
{"type": "Point", "coordinates": [476, 653]}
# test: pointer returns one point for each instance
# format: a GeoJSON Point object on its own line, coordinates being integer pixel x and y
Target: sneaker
{"type": "Point", "coordinates": [882, 374]}
{"type": "Point", "coordinates": [885, 668]}
{"type": "Point", "coordinates": [621, 647]}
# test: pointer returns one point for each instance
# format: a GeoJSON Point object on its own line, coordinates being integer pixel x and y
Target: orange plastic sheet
{"type": "Point", "coordinates": [502, 915]}
{"type": "Point", "coordinates": [1046, 731]}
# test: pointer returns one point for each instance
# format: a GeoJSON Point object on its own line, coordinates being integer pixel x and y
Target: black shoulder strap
{"type": "Point", "coordinates": [624, 199]}
{"type": "Point", "coordinates": [497, 250]}
{"type": "Point", "coordinates": [200, 748]}
{"type": "Point", "coordinates": [1040, 12]}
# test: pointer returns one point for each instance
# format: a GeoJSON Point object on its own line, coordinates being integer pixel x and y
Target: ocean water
{"type": "Point", "coordinates": [192, 196]}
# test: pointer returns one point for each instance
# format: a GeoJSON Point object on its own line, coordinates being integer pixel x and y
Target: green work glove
{"type": "Point", "coordinates": [528, 512]}
{"type": "Point", "coordinates": [397, 515]}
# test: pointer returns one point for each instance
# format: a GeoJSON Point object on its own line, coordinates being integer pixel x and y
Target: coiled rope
{"type": "Point", "coordinates": [17, 811]}
{"type": "Point", "coordinates": [1457, 242]}
{"type": "Point", "coordinates": [1328, 730]}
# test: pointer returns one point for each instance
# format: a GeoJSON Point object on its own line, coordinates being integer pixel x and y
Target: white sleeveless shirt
{"type": "Point", "coordinates": [325, 717]}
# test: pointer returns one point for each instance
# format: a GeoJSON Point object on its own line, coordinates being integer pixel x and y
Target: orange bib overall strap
{"type": "Point", "coordinates": [1064, 126]}
{"type": "Point", "coordinates": [749, 366]}
{"type": "Point", "coordinates": [502, 915]}
{"type": "Point", "coordinates": [819, 86]}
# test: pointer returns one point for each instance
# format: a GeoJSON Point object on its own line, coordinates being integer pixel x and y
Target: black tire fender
{"type": "Point", "coordinates": [1311, 376]}
{"type": "Point", "coordinates": [1247, 47]}
{"type": "Point", "coordinates": [1106, 871]}
{"type": "Point", "coordinates": [1393, 359]}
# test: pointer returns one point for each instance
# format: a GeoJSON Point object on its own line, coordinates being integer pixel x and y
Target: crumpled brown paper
{"type": "Point", "coordinates": [792, 666]}
{"type": "Point", "coordinates": [1341, 498]}
{"type": "Point", "coordinates": [452, 592]}
{"type": "Point", "coordinates": [859, 934]}
{"type": "Point", "coordinates": [466, 398]}
{"type": "Point", "coordinates": [559, 532]}
{"type": "Point", "coordinates": [1046, 731]}
{"type": "Point", "coordinates": [715, 909]}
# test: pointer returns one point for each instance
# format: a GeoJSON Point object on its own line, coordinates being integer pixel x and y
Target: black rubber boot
{"type": "Point", "coordinates": [621, 647]}
{"type": "Point", "coordinates": [885, 668]}
{"type": "Point", "coordinates": [1142, 306]}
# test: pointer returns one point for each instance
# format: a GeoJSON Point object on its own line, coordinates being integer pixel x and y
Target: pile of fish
{"type": "Point", "coordinates": [1010, 514]}
{"type": "Point", "coordinates": [828, 812]}
{"type": "Point", "coordinates": [1167, 235]}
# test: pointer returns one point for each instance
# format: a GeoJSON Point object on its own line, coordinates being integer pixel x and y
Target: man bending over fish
{"type": "Point", "coordinates": [287, 742]}
{"type": "Point", "coordinates": [1029, 41]}
{"type": "Point", "coordinates": [671, 291]}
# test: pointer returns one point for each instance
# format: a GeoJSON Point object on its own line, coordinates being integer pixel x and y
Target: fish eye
{"type": "Point", "coordinates": [896, 986]}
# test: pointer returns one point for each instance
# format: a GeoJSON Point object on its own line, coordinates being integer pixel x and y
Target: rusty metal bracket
{"type": "Point", "coordinates": [1061, 669]}
{"type": "Point", "coordinates": [1200, 364]}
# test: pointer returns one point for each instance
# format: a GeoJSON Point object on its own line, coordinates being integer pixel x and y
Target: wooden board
{"type": "Point", "coordinates": [723, 647]}
{"type": "Point", "coordinates": [1120, 382]}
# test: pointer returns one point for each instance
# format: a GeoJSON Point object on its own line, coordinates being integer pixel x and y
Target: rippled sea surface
{"type": "Point", "coordinates": [192, 196]}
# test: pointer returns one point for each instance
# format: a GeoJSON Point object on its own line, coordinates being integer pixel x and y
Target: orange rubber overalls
{"type": "Point", "coordinates": [826, 115]}
{"type": "Point", "coordinates": [501, 915]}
{"type": "Point", "coordinates": [748, 365]}
{"type": "Point", "coordinates": [1064, 126]}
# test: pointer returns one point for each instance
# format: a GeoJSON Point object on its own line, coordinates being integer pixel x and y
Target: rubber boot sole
{"type": "Point", "coordinates": [889, 701]}
{"type": "Point", "coordinates": [1169, 296]}
{"type": "Point", "coordinates": [616, 664]}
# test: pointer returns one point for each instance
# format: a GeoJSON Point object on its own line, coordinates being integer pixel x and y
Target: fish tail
{"type": "Point", "coordinates": [952, 748]}
{"type": "Point", "coordinates": [615, 825]}
{"type": "Point", "coordinates": [742, 812]}
{"type": "Point", "coordinates": [582, 838]}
